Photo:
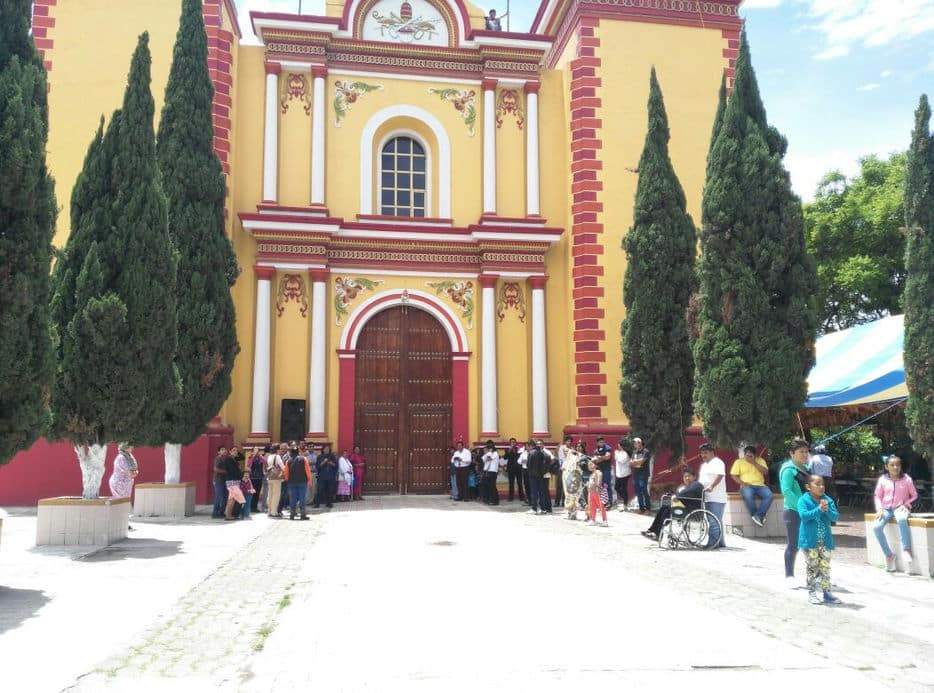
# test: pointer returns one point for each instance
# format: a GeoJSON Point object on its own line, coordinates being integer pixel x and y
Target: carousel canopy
{"type": "Point", "coordinates": [858, 366]}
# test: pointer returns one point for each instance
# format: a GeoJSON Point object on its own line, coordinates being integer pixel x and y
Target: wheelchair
{"type": "Point", "coordinates": [684, 528]}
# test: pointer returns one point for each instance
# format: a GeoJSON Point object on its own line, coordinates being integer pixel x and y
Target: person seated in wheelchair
{"type": "Point", "coordinates": [687, 497]}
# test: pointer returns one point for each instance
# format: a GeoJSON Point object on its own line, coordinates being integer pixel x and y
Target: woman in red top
{"type": "Point", "coordinates": [359, 467]}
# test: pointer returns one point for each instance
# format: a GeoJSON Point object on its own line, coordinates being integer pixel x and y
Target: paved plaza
{"type": "Point", "coordinates": [422, 594]}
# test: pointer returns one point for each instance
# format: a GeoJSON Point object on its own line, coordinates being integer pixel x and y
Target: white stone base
{"type": "Point", "coordinates": [165, 500]}
{"type": "Point", "coordinates": [73, 521]}
{"type": "Point", "coordinates": [735, 515]}
{"type": "Point", "coordinates": [921, 528]}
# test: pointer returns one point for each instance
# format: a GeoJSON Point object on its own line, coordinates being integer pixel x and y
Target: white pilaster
{"type": "Point", "coordinates": [259, 421]}
{"type": "Point", "coordinates": [317, 136]}
{"type": "Point", "coordinates": [539, 359]}
{"type": "Point", "coordinates": [318, 373]}
{"type": "Point", "coordinates": [489, 146]}
{"type": "Point", "coordinates": [532, 206]}
{"type": "Point", "coordinates": [271, 134]}
{"type": "Point", "coordinates": [488, 412]}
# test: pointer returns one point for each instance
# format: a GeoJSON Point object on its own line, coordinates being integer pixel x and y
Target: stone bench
{"type": "Point", "coordinates": [737, 520]}
{"type": "Point", "coordinates": [164, 500]}
{"type": "Point", "coordinates": [921, 527]}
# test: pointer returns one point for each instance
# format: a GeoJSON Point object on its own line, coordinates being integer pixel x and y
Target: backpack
{"type": "Point", "coordinates": [273, 470]}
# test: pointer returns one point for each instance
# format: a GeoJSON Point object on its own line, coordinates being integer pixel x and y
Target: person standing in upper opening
{"type": "Point", "coordinates": [793, 478]}
{"type": "Point", "coordinates": [490, 472]}
{"type": "Point", "coordinates": [494, 23]}
{"type": "Point", "coordinates": [641, 463]}
{"type": "Point", "coordinates": [712, 476]}
{"type": "Point", "coordinates": [462, 459]}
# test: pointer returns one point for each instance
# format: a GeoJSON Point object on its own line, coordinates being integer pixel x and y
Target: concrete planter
{"type": "Point", "coordinates": [735, 515]}
{"type": "Point", "coordinates": [165, 500]}
{"type": "Point", "coordinates": [73, 521]}
{"type": "Point", "coordinates": [922, 544]}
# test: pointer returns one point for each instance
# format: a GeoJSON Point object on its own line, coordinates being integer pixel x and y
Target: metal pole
{"type": "Point", "coordinates": [299, 6]}
{"type": "Point", "coordinates": [507, 15]}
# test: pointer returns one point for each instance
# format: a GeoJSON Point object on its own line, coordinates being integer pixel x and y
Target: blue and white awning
{"type": "Point", "coordinates": [860, 365]}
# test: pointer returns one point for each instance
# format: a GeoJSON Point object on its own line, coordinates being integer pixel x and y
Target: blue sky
{"type": "Point", "coordinates": [840, 78]}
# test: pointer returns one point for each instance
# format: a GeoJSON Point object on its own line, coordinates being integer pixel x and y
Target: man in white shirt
{"type": "Point", "coordinates": [712, 476]}
{"type": "Point", "coordinates": [275, 470]}
{"type": "Point", "coordinates": [524, 452]}
{"type": "Point", "coordinates": [491, 462]}
{"type": "Point", "coordinates": [461, 459]}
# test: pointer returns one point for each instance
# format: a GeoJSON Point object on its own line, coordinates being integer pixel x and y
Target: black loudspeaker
{"type": "Point", "coordinates": [292, 422]}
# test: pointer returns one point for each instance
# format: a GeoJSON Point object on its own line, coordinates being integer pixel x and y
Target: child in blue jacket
{"type": "Point", "coordinates": [815, 539]}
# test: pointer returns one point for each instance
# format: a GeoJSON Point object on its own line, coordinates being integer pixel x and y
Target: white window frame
{"type": "Point", "coordinates": [403, 132]}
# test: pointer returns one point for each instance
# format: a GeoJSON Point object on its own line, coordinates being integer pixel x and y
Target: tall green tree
{"type": "Point", "coordinates": [114, 290]}
{"type": "Point", "coordinates": [854, 232]}
{"type": "Point", "coordinates": [27, 223]}
{"type": "Point", "coordinates": [658, 368]}
{"type": "Point", "coordinates": [207, 266]}
{"type": "Point", "coordinates": [919, 288]}
{"type": "Point", "coordinates": [756, 321]}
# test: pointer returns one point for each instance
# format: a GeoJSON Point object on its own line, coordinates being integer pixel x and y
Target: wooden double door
{"type": "Point", "coordinates": [403, 396]}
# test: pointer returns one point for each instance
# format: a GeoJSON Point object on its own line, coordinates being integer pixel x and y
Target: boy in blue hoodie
{"type": "Point", "coordinates": [817, 511]}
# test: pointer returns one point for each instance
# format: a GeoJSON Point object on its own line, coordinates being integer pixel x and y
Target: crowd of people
{"type": "Point", "coordinates": [277, 477]}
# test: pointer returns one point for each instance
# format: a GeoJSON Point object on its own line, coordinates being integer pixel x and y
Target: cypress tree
{"type": "Point", "coordinates": [756, 320]}
{"type": "Point", "coordinates": [658, 368]}
{"type": "Point", "coordinates": [919, 287]}
{"type": "Point", "coordinates": [195, 188]}
{"type": "Point", "coordinates": [114, 289]}
{"type": "Point", "coordinates": [27, 223]}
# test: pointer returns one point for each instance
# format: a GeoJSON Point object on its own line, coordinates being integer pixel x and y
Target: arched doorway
{"type": "Point", "coordinates": [402, 401]}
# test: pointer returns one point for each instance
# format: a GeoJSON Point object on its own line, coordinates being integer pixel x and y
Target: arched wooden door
{"type": "Point", "coordinates": [402, 415]}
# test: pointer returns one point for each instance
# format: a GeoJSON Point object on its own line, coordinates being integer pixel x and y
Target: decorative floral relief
{"type": "Point", "coordinates": [464, 101]}
{"type": "Point", "coordinates": [292, 288]}
{"type": "Point", "coordinates": [460, 292]}
{"type": "Point", "coordinates": [346, 290]}
{"type": "Point", "coordinates": [296, 87]}
{"type": "Point", "coordinates": [509, 102]}
{"type": "Point", "coordinates": [510, 296]}
{"type": "Point", "coordinates": [346, 94]}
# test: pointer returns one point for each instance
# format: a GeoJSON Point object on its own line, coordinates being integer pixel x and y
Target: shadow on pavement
{"type": "Point", "coordinates": [18, 605]}
{"type": "Point", "coordinates": [133, 548]}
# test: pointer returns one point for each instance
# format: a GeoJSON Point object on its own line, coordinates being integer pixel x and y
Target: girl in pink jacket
{"type": "Point", "coordinates": [895, 492]}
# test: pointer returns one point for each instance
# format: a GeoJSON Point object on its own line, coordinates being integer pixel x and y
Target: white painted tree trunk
{"type": "Point", "coordinates": [173, 463]}
{"type": "Point", "coordinates": [91, 459]}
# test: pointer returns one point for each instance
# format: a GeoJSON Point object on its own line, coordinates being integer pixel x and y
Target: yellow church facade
{"type": "Point", "coordinates": [428, 215]}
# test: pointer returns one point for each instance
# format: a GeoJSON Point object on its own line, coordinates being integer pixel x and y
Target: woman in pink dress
{"type": "Point", "coordinates": [359, 467]}
{"type": "Point", "coordinates": [125, 471]}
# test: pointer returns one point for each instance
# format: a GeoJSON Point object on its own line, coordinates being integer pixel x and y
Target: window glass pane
{"type": "Point", "coordinates": [419, 213]}
{"type": "Point", "coordinates": [418, 181]}
{"type": "Point", "coordinates": [403, 163]}
{"type": "Point", "coordinates": [389, 147]}
{"type": "Point", "coordinates": [403, 145]}
{"type": "Point", "coordinates": [403, 197]}
{"type": "Point", "coordinates": [388, 164]}
{"type": "Point", "coordinates": [404, 180]}
{"type": "Point", "coordinates": [417, 148]}
{"type": "Point", "coordinates": [388, 179]}
{"type": "Point", "coordinates": [387, 211]}
{"type": "Point", "coordinates": [403, 212]}
{"type": "Point", "coordinates": [419, 199]}
{"type": "Point", "coordinates": [388, 198]}
{"type": "Point", "coordinates": [418, 163]}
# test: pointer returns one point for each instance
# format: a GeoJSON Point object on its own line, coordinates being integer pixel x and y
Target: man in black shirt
{"type": "Point", "coordinates": [539, 498]}
{"type": "Point", "coordinates": [641, 462]}
{"type": "Point", "coordinates": [220, 486]}
{"type": "Point", "coordinates": [513, 469]}
{"type": "Point", "coordinates": [689, 494]}
{"type": "Point", "coordinates": [603, 458]}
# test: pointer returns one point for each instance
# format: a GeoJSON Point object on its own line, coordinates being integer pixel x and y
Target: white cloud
{"type": "Point", "coordinates": [872, 86]}
{"type": "Point", "coordinates": [848, 24]}
{"type": "Point", "coordinates": [885, 73]}
{"type": "Point", "coordinates": [808, 168]}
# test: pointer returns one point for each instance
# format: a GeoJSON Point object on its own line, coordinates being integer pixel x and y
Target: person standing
{"type": "Point", "coordinates": [603, 458]}
{"type": "Point", "coordinates": [125, 471]}
{"type": "Point", "coordinates": [894, 495]}
{"type": "Point", "coordinates": [572, 482]}
{"type": "Point", "coordinates": [491, 462]}
{"type": "Point", "coordinates": [712, 476]}
{"type": "Point", "coordinates": [358, 461]}
{"type": "Point", "coordinates": [750, 472]}
{"type": "Point", "coordinates": [220, 486]}
{"type": "Point", "coordinates": [564, 451]}
{"type": "Point", "coordinates": [623, 469]}
{"type": "Point", "coordinates": [233, 475]}
{"type": "Point", "coordinates": [249, 492]}
{"type": "Point", "coordinates": [344, 477]}
{"type": "Point", "coordinates": [327, 477]}
{"type": "Point", "coordinates": [818, 512]}
{"type": "Point", "coordinates": [539, 498]}
{"type": "Point", "coordinates": [821, 464]}
{"type": "Point", "coordinates": [461, 459]}
{"type": "Point", "coordinates": [514, 469]}
{"type": "Point", "coordinates": [793, 478]}
{"type": "Point", "coordinates": [297, 477]}
{"type": "Point", "coordinates": [595, 488]}
{"type": "Point", "coordinates": [641, 463]}
{"type": "Point", "coordinates": [275, 470]}
{"type": "Point", "coordinates": [257, 469]}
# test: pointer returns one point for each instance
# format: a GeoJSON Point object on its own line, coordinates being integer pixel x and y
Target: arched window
{"type": "Point", "coordinates": [403, 178]}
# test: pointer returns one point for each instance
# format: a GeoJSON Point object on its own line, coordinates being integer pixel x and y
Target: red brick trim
{"type": "Point", "coordinates": [220, 67]}
{"type": "Point", "coordinates": [43, 22]}
{"type": "Point", "coordinates": [730, 53]}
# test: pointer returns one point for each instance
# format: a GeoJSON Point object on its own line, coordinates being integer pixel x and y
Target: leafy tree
{"type": "Point", "coordinates": [919, 287]}
{"type": "Point", "coordinates": [114, 290]}
{"type": "Point", "coordinates": [854, 231]}
{"type": "Point", "coordinates": [658, 368]}
{"type": "Point", "coordinates": [755, 322]}
{"type": "Point", "coordinates": [207, 267]}
{"type": "Point", "coordinates": [27, 223]}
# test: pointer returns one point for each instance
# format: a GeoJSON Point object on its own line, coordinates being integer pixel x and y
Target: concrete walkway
{"type": "Point", "coordinates": [422, 594]}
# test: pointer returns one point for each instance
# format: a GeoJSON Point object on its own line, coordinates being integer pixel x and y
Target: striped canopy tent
{"type": "Point", "coordinates": [858, 370]}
